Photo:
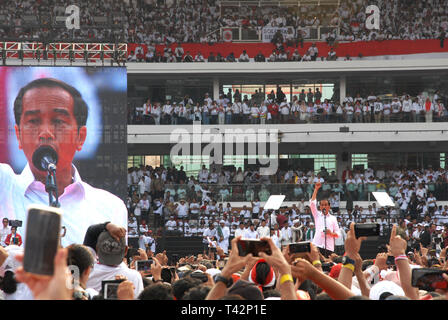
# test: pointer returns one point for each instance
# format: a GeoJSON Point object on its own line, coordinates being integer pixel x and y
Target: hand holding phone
{"type": "Point", "coordinates": [300, 247]}
{"type": "Point", "coordinates": [429, 279]}
{"type": "Point", "coordinates": [43, 232]}
{"type": "Point", "coordinates": [144, 265]}
{"type": "Point", "coordinates": [109, 288]}
{"type": "Point", "coordinates": [367, 229]}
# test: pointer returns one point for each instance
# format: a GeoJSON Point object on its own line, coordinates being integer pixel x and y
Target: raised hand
{"type": "Point", "coordinates": [397, 245]}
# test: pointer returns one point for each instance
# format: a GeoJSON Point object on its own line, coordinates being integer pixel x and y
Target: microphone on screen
{"type": "Point", "coordinates": [45, 158]}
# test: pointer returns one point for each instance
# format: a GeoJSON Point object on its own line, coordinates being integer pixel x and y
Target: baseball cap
{"type": "Point", "coordinates": [109, 251]}
{"type": "Point", "coordinates": [380, 290]}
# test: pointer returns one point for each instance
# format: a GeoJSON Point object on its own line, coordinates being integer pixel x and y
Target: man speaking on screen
{"type": "Point", "coordinates": [327, 228]}
{"type": "Point", "coordinates": [52, 114]}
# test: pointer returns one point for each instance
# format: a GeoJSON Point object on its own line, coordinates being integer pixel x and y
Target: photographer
{"type": "Point", "coordinates": [13, 237]}
{"type": "Point", "coordinates": [4, 231]}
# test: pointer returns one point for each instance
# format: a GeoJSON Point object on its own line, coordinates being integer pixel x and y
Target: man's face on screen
{"type": "Point", "coordinates": [48, 119]}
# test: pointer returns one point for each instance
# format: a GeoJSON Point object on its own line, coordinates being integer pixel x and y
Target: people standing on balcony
{"type": "Point", "coordinates": [429, 109]}
{"type": "Point", "coordinates": [179, 52]}
{"type": "Point", "coordinates": [407, 108]}
{"type": "Point", "coordinates": [378, 110]}
{"type": "Point", "coordinates": [314, 52]}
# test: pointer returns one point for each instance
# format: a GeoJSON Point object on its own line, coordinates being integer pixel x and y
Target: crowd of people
{"type": "Point", "coordinates": [166, 22]}
{"type": "Point", "coordinates": [279, 54]}
{"type": "Point", "coordinates": [165, 201]}
{"type": "Point", "coordinates": [307, 107]}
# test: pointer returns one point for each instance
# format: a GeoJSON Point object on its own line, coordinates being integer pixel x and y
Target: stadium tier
{"type": "Point", "coordinates": [151, 146]}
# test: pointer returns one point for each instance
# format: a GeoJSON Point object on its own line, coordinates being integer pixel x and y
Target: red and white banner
{"type": "Point", "coordinates": [365, 48]}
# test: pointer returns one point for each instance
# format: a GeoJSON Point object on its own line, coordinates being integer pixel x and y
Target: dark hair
{"type": "Point", "coordinates": [197, 293]}
{"type": "Point", "coordinates": [323, 296]}
{"type": "Point", "coordinates": [183, 285]}
{"type": "Point", "coordinates": [357, 298]}
{"type": "Point", "coordinates": [310, 287]}
{"type": "Point", "coordinates": [232, 297]}
{"type": "Point", "coordinates": [78, 255]}
{"type": "Point", "coordinates": [9, 283]}
{"type": "Point", "coordinates": [271, 293]}
{"type": "Point", "coordinates": [262, 270]}
{"type": "Point", "coordinates": [80, 109]}
{"type": "Point", "coordinates": [157, 291]}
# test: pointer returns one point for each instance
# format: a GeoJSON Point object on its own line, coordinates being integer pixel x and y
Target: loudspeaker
{"type": "Point", "coordinates": [345, 156]}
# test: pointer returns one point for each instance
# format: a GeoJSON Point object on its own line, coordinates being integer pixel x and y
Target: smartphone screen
{"type": "Point", "coordinates": [42, 238]}
{"type": "Point", "coordinates": [300, 247]}
{"type": "Point", "coordinates": [144, 265]}
{"type": "Point", "coordinates": [367, 229]}
{"type": "Point", "coordinates": [253, 246]}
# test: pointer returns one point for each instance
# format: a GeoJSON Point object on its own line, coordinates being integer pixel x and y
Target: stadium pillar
{"type": "Point", "coordinates": [215, 88]}
{"type": "Point", "coordinates": [342, 88]}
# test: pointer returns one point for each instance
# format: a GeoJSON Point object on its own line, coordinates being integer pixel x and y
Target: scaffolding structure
{"type": "Point", "coordinates": [63, 51]}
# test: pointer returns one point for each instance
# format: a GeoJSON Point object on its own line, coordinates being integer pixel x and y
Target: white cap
{"type": "Point", "coordinates": [385, 286]}
{"type": "Point", "coordinates": [11, 264]}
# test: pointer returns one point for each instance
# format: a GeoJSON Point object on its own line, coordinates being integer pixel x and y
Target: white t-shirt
{"type": "Point", "coordinates": [182, 210]}
{"type": "Point", "coordinates": [102, 272]}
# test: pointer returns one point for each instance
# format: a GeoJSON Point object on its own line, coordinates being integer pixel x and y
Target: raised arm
{"type": "Point", "coordinates": [316, 189]}
{"type": "Point", "coordinates": [313, 202]}
{"type": "Point", "coordinates": [304, 270]}
{"type": "Point", "coordinates": [352, 247]}
{"type": "Point", "coordinates": [397, 247]}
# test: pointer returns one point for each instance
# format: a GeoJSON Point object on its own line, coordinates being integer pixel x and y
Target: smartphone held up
{"type": "Point", "coordinates": [246, 246]}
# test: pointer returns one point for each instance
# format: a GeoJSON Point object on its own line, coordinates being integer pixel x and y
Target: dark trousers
{"type": "Point", "coordinates": [157, 220]}
{"type": "Point", "coordinates": [339, 250]}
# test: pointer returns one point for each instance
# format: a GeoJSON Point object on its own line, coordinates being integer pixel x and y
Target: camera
{"type": "Point", "coordinates": [15, 223]}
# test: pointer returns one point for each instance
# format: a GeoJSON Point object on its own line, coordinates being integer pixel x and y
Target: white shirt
{"type": "Point", "coordinates": [3, 234]}
{"type": "Point", "coordinates": [319, 221]}
{"type": "Point", "coordinates": [209, 233]}
{"type": "Point", "coordinates": [263, 232]}
{"type": "Point", "coordinates": [239, 232]}
{"type": "Point", "coordinates": [171, 225]}
{"type": "Point", "coordinates": [144, 240]}
{"type": "Point", "coordinates": [250, 234]}
{"type": "Point", "coordinates": [82, 204]}
{"type": "Point", "coordinates": [182, 210]}
{"type": "Point", "coordinates": [102, 272]}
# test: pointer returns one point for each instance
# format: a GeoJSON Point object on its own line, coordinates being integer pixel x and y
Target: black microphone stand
{"type": "Point", "coordinates": [51, 187]}
{"type": "Point", "coordinates": [325, 230]}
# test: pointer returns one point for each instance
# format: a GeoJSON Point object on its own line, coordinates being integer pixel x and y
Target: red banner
{"type": "Point", "coordinates": [354, 49]}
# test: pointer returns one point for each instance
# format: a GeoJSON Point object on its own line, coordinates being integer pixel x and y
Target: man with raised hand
{"type": "Point", "coordinates": [52, 115]}
{"type": "Point", "coordinates": [327, 228]}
